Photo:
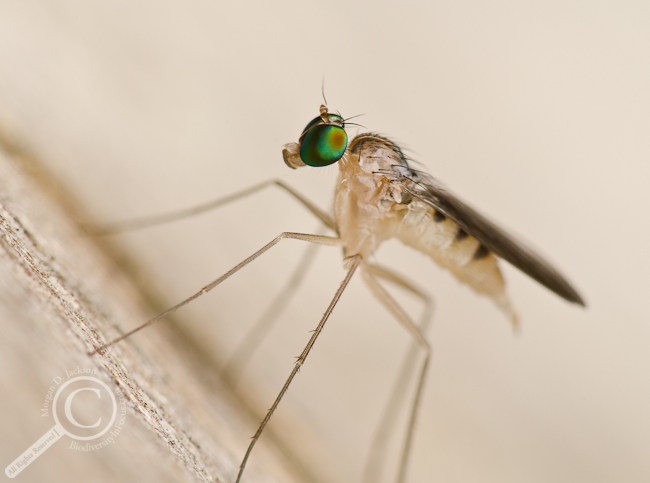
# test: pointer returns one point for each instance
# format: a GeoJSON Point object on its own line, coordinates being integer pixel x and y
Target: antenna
{"type": "Point", "coordinates": [322, 89]}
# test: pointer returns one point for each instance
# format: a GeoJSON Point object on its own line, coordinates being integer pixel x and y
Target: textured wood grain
{"type": "Point", "coordinates": [60, 296]}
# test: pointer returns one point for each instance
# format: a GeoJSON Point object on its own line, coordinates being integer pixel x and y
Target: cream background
{"type": "Point", "coordinates": [536, 113]}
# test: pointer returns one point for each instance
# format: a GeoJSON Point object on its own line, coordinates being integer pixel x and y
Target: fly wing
{"type": "Point", "coordinates": [494, 238]}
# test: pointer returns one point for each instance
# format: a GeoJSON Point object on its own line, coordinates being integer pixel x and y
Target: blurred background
{"type": "Point", "coordinates": [536, 113]}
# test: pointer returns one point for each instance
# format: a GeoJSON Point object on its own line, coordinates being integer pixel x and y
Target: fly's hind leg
{"type": "Point", "coordinates": [370, 272]}
{"type": "Point", "coordinates": [377, 452]}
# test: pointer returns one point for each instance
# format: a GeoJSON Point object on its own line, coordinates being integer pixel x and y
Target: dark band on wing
{"type": "Point", "coordinates": [439, 217]}
{"type": "Point", "coordinates": [494, 239]}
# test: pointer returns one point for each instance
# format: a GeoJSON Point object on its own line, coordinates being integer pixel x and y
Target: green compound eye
{"type": "Point", "coordinates": [323, 143]}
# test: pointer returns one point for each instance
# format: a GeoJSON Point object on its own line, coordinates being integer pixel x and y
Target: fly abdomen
{"type": "Point", "coordinates": [431, 232]}
{"type": "Point", "coordinates": [481, 252]}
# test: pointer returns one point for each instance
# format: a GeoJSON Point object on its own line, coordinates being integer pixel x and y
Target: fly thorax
{"type": "Point", "coordinates": [367, 205]}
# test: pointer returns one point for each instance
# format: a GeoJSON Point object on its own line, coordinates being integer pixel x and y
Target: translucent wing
{"type": "Point", "coordinates": [492, 237]}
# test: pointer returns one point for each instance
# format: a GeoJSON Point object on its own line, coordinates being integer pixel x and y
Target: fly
{"type": "Point", "coordinates": [380, 196]}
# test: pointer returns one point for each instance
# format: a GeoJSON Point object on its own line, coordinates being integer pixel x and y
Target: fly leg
{"type": "Point", "coordinates": [138, 223]}
{"type": "Point", "coordinates": [351, 265]}
{"type": "Point", "coordinates": [145, 222]}
{"type": "Point", "coordinates": [242, 354]}
{"type": "Point", "coordinates": [320, 239]}
{"type": "Point", "coordinates": [369, 273]}
{"type": "Point", "coordinates": [376, 455]}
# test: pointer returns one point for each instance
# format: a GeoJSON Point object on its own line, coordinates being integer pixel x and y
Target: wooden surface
{"type": "Point", "coordinates": [59, 297]}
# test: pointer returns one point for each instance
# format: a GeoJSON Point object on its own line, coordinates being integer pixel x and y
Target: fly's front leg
{"type": "Point", "coordinates": [396, 310]}
{"type": "Point", "coordinates": [123, 226]}
{"type": "Point", "coordinates": [145, 222]}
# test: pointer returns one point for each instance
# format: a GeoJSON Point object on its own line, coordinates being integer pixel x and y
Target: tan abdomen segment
{"type": "Point", "coordinates": [439, 237]}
